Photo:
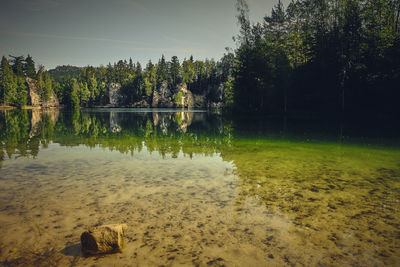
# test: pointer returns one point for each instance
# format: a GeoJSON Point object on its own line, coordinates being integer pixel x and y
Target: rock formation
{"type": "Point", "coordinates": [199, 101]}
{"type": "Point", "coordinates": [220, 94]}
{"type": "Point", "coordinates": [103, 239]}
{"type": "Point", "coordinates": [180, 96]}
{"type": "Point", "coordinates": [113, 89]}
{"type": "Point", "coordinates": [35, 98]}
{"type": "Point", "coordinates": [162, 97]}
{"type": "Point", "coordinates": [141, 104]}
{"type": "Point", "coordinates": [184, 98]}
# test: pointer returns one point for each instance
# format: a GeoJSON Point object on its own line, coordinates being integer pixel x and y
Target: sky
{"type": "Point", "coordinates": [96, 32]}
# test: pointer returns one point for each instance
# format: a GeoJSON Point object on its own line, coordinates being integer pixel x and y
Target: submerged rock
{"type": "Point", "coordinates": [103, 239]}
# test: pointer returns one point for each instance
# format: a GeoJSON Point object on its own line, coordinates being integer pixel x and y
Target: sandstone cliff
{"type": "Point", "coordinates": [35, 96]}
{"type": "Point", "coordinates": [162, 97]}
{"type": "Point", "coordinates": [183, 97]}
{"type": "Point", "coordinates": [113, 89]}
{"type": "Point", "coordinates": [166, 96]}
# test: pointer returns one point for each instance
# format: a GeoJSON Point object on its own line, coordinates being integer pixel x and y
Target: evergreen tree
{"type": "Point", "coordinates": [174, 70]}
{"type": "Point", "coordinates": [21, 98]}
{"type": "Point", "coordinates": [150, 79]}
{"type": "Point", "coordinates": [8, 83]}
{"type": "Point", "coordinates": [83, 93]}
{"type": "Point", "coordinates": [131, 66]}
{"type": "Point", "coordinates": [40, 83]}
{"type": "Point", "coordinates": [188, 73]}
{"type": "Point", "coordinates": [162, 70]}
{"type": "Point", "coordinates": [29, 67]}
{"type": "Point", "coordinates": [73, 98]}
{"type": "Point", "coordinates": [17, 65]}
{"type": "Point", "coordinates": [48, 87]}
{"type": "Point", "coordinates": [139, 82]}
{"type": "Point", "coordinates": [93, 89]}
{"type": "Point", "coordinates": [44, 84]}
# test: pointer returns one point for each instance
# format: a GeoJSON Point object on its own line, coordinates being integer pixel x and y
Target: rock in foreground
{"type": "Point", "coordinates": [103, 239]}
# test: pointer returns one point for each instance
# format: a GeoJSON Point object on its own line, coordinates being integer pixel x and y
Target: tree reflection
{"type": "Point", "coordinates": [24, 133]}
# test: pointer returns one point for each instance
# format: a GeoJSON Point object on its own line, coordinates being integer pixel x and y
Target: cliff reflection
{"type": "Point", "coordinates": [23, 132]}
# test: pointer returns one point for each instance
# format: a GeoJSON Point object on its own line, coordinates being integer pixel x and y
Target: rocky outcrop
{"type": "Point", "coordinates": [199, 101]}
{"type": "Point", "coordinates": [183, 97]}
{"type": "Point", "coordinates": [141, 104]}
{"type": "Point", "coordinates": [103, 239]}
{"type": "Point", "coordinates": [166, 96]}
{"type": "Point", "coordinates": [162, 97]}
{"type": "Point", "coordinates": [220, 93]}
{"type": "Point", "coordinates": [113, 92]}
{"type": "Point", "coordinates": [35, 98]}
{"type": "Point", "coordinates": [213, 98]}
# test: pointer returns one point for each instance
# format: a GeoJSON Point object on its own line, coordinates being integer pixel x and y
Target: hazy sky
{"type": "Point", "coordinates": [94, 32]}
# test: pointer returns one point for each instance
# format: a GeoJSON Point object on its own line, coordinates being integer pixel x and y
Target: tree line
{"type": "Point", "coordinates": [319, 56]}
{"type": "Point", "coordinates": [89, 86]}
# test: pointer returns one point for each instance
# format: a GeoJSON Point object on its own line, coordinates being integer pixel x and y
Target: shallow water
{"type": "Point", "coordinates": [197, 189]}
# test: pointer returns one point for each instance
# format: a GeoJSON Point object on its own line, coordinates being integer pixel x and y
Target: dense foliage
{"type": "Point", "coordinates": [13, 87]}
{"type": "Point", "coordinates": [319, 56]}
{"type": "Point", "coordinates": [13, 90]}
{"type": "Point", "coordinates": [88, 87]}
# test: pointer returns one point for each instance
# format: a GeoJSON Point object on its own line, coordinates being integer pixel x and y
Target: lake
{"type": "Point", "coordinates": [198, 189]}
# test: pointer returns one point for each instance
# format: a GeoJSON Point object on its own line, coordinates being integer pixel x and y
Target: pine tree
{"type": "Point", "coordinates": [139, 82]}
{"type": "Point", "coordinates": [188, 74]}
{"type": "Point", "coordinates": [8, 83]}
{"type": "Point", "coordinates": [17, 65]}
{"type": "Point", "coordinates": [174, 70]}
{"type": "Point", "coordinates": [150, 80]}
{"type": "Point", "coordinates": [40, 83]}
{"type": "Point", "coordinates": [93, 89]}
{"type": "Point", "coordinates": [162, 70]}
{"type": "Point", "coordinates": [48, 88]}
{"type": "Point", "coordinates": [83, 93]}
{"type": "Point", "coordinates": [73, 100]}
{"type": "Point", "coordinates": [29, 67]}
{"type": "Point", "coordinates": [276, 22]}
{"type": "Point", "coordinates": [21, 98]}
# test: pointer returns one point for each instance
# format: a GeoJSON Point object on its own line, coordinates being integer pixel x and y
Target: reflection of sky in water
{"type": "Point", "coordinates": [194, 190]}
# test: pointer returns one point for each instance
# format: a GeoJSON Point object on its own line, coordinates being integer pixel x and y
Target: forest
{"type": "Point", "coordinates": [329, 57]}
{"type": "Point", "coordinates": [319, 56]}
